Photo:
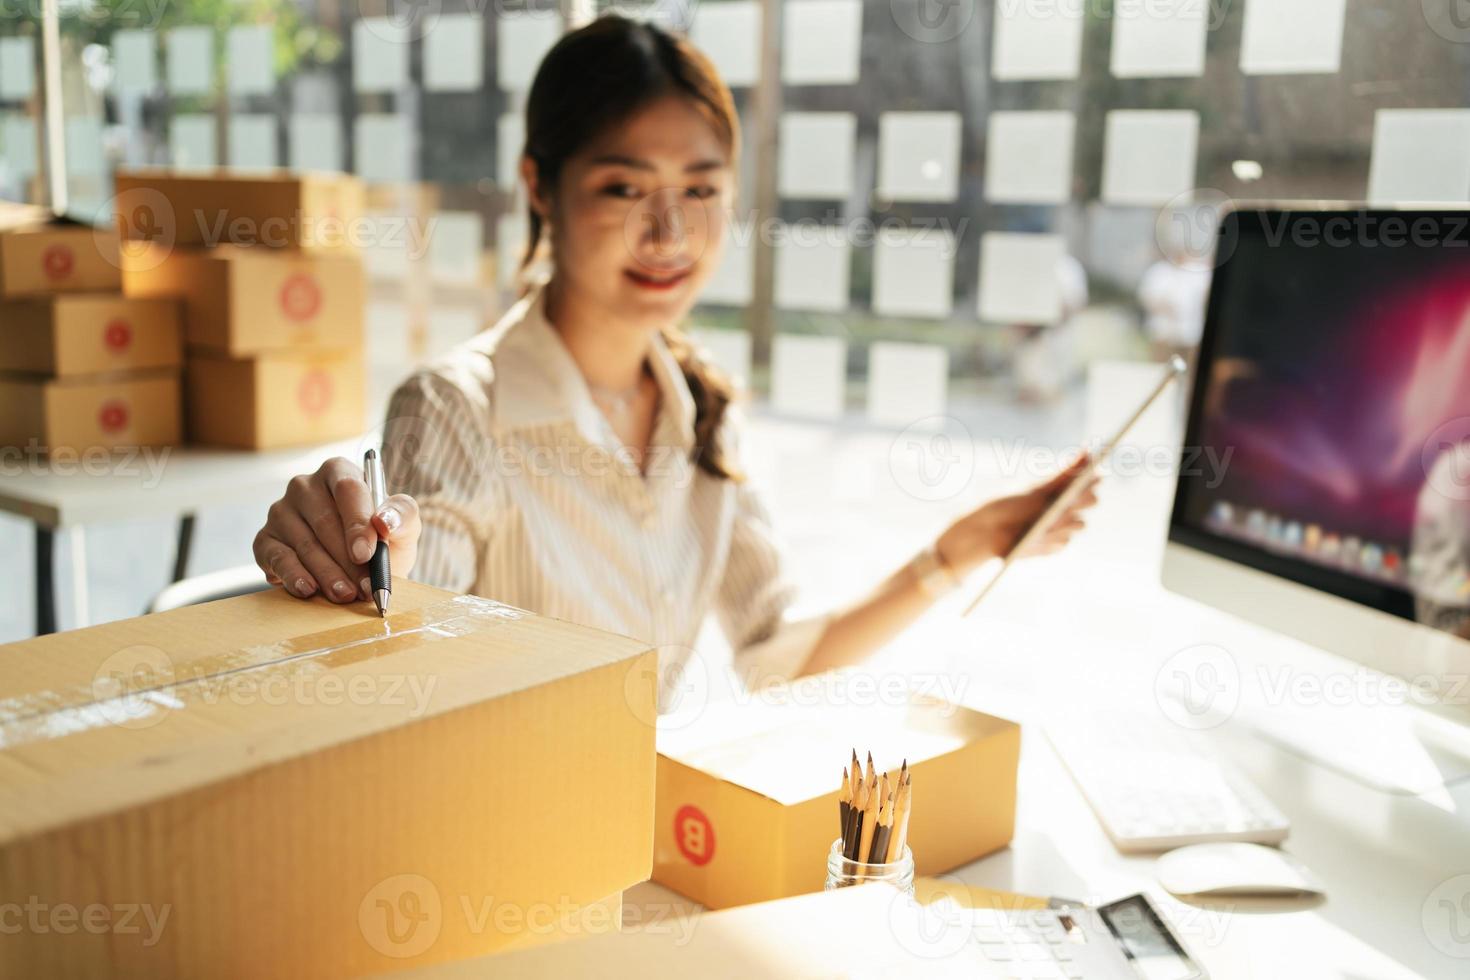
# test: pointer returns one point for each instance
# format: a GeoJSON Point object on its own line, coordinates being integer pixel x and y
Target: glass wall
{"type": "Point", "coordinates": [21, 153]}
{"type": "Point", "coordinates": [941, 199]}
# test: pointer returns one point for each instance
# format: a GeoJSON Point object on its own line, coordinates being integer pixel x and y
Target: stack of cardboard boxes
{"type": "Point", "coordinates": [82, 367]}
{"type": "Point", "coordinates": [273, 292]}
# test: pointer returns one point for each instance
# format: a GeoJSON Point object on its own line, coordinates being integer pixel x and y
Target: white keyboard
{"type": "Point", "coordinates": [1152, 790]}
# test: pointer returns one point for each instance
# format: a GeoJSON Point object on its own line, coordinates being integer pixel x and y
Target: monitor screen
{"type": "Point", "coordinates": [1333, 392]}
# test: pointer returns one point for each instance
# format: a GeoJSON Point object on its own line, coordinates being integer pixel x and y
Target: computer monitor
{"type": "Point", "coordinates": [1333, 383]}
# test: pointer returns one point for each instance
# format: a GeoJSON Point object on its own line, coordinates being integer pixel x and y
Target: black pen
{"type": "Point", "coordinates": [380, 576]}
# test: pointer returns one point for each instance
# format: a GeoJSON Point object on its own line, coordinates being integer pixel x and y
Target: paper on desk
{"type": "Point", "coordinates": [932, 891]}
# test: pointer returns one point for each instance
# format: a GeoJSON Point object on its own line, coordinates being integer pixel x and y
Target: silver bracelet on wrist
{"type": "Point", "coordinates": [935, 576]}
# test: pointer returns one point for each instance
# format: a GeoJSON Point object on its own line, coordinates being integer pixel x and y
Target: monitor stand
{"type": "Point", "coordinates": [1392, 747]}
{"type": "Point", "coordinates": [1401, 749]}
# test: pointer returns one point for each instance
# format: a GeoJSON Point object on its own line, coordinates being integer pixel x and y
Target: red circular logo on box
{"type": "Point", "coordinates": [694, 835]}
{"type": "Point", "coordinates": [118, 335]}
{"type": "Point", "coordinates": [113, 416]}
{"type": "Point", "coordinates": [315, 392]}
{"type": "Point", "coordinates": [301, 297]}
{"type": "Point", "coordinates": [58, 261]}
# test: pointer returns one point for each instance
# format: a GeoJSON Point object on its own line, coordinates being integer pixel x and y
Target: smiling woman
{"type": "Point", "coordinates": [580, 459]}
{"type": "Point", "coordinates": [629, 192]}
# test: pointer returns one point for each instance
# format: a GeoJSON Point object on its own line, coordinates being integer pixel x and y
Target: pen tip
{"type": "Point", "coordinates": [380, 599]}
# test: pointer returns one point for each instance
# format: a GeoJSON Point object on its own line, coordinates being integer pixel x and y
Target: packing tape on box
{"type": "Point", "coordinates": [147, 684]}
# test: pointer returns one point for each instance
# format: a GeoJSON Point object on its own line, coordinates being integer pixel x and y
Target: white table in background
{"type": "Point", "coordinates": [66, 497]}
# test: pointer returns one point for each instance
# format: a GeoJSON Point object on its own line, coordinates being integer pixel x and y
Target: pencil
{"type": "Point", "coordinates": [849, 833]}
{"type": "Point", "coordinates": [900, 817]}
{"type": "Point", "coordinates": [844, 806]}
{"type": "Point", "coordinates": [908, 809]}
{"type": "Point", "coordinates": [870, 824]}
{"type": "Point", "coordinates": [859, 812]}
{"type": "Point", "coordinates": [883, 833]}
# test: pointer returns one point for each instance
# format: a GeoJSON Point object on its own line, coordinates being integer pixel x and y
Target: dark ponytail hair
{"type": "Point", "coordinates": [597, 77]}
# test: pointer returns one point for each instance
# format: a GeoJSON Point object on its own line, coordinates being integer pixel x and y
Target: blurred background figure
{"type": "Point", "coordinates": [1439, 559]}
{"type": "Point", "coordinates": [1046, 360]}
{"type": "Point", "coordinates": [1173, 293]}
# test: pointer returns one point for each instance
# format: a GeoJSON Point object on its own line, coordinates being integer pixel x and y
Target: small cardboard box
{"type": "Point", "coordinates": [80, 414]}
{"type": "Point", "coordinates": [89, 333]}
{"type": "Point", "coordinates": [40, 255]}
{"type": "Point", "coordinates": [249, 300]}
{"type": "Point", "coordinates": [747, 794]}
{"type": "Point", "coordinates": [314, 212]}
{"type": "Point", "coordinates": [265, 787]}
{"type": "Point", "coordinates": [868, 931]}
{"type": "Point", "coordinates": [275, 400]}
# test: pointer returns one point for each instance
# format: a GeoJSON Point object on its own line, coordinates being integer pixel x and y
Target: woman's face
{"type": "Point", "coordinates": [638, 218]}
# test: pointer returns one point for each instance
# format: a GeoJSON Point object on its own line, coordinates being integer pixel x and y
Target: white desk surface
{"type": "Point", "coordinates": [1089, 627]}
{"type": "Point", "coordinates": [1093, 627]}
{"type": "Point", "coordinates": [165, 483]}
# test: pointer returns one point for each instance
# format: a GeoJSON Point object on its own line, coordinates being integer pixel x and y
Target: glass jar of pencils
{"type": "Point", "coordinates": [843, 871]}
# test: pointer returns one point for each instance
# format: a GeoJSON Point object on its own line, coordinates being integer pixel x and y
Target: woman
{"type": "Point", "coordinates": [580, 459]}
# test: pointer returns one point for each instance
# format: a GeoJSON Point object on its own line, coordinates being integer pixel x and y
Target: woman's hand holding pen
{"type": "Point", "coordinates": [320, 535]}
{"type": "Point", "coordinates": [993, 529]}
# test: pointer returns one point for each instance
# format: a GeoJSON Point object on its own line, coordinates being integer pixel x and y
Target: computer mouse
{"type": "Point", "coordinates": [1234, 869]}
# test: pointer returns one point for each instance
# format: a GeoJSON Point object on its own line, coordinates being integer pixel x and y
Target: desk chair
{"type": "Point", "coordinates": [223, 584]}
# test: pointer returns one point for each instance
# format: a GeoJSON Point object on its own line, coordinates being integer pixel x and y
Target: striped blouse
{"type": "Point", "coordinates": [527, 496]}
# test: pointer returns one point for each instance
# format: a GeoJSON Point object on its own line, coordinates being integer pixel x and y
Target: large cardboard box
{"type": "Point", "coordinates": [315, 212]}
{"type": "Point", "coordinates": [552, 924]}
{"type": "Point", "coordinates": [265, 787]}
{"type": "Point", "coordinates": [89, 333]}
{"type": "Point", "coordinates": [249, 300]}
{"type": "Point", "coordinates": [77, 415]}
{"type": "Point", "coordinates": [41, 255]}
{"type": "Point", "coordinates": [275, 400]}
{"type": "Point", "coordinates": [868, 931]}
{"type": "Point", "coordinates": [747, 793]}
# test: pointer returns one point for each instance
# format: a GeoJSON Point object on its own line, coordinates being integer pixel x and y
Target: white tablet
{"type": "Point", "coordinates": [1174, 369]}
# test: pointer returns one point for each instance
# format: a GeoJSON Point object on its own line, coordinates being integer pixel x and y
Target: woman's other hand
{"type": "Point", "coordinates": [995, 528]}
